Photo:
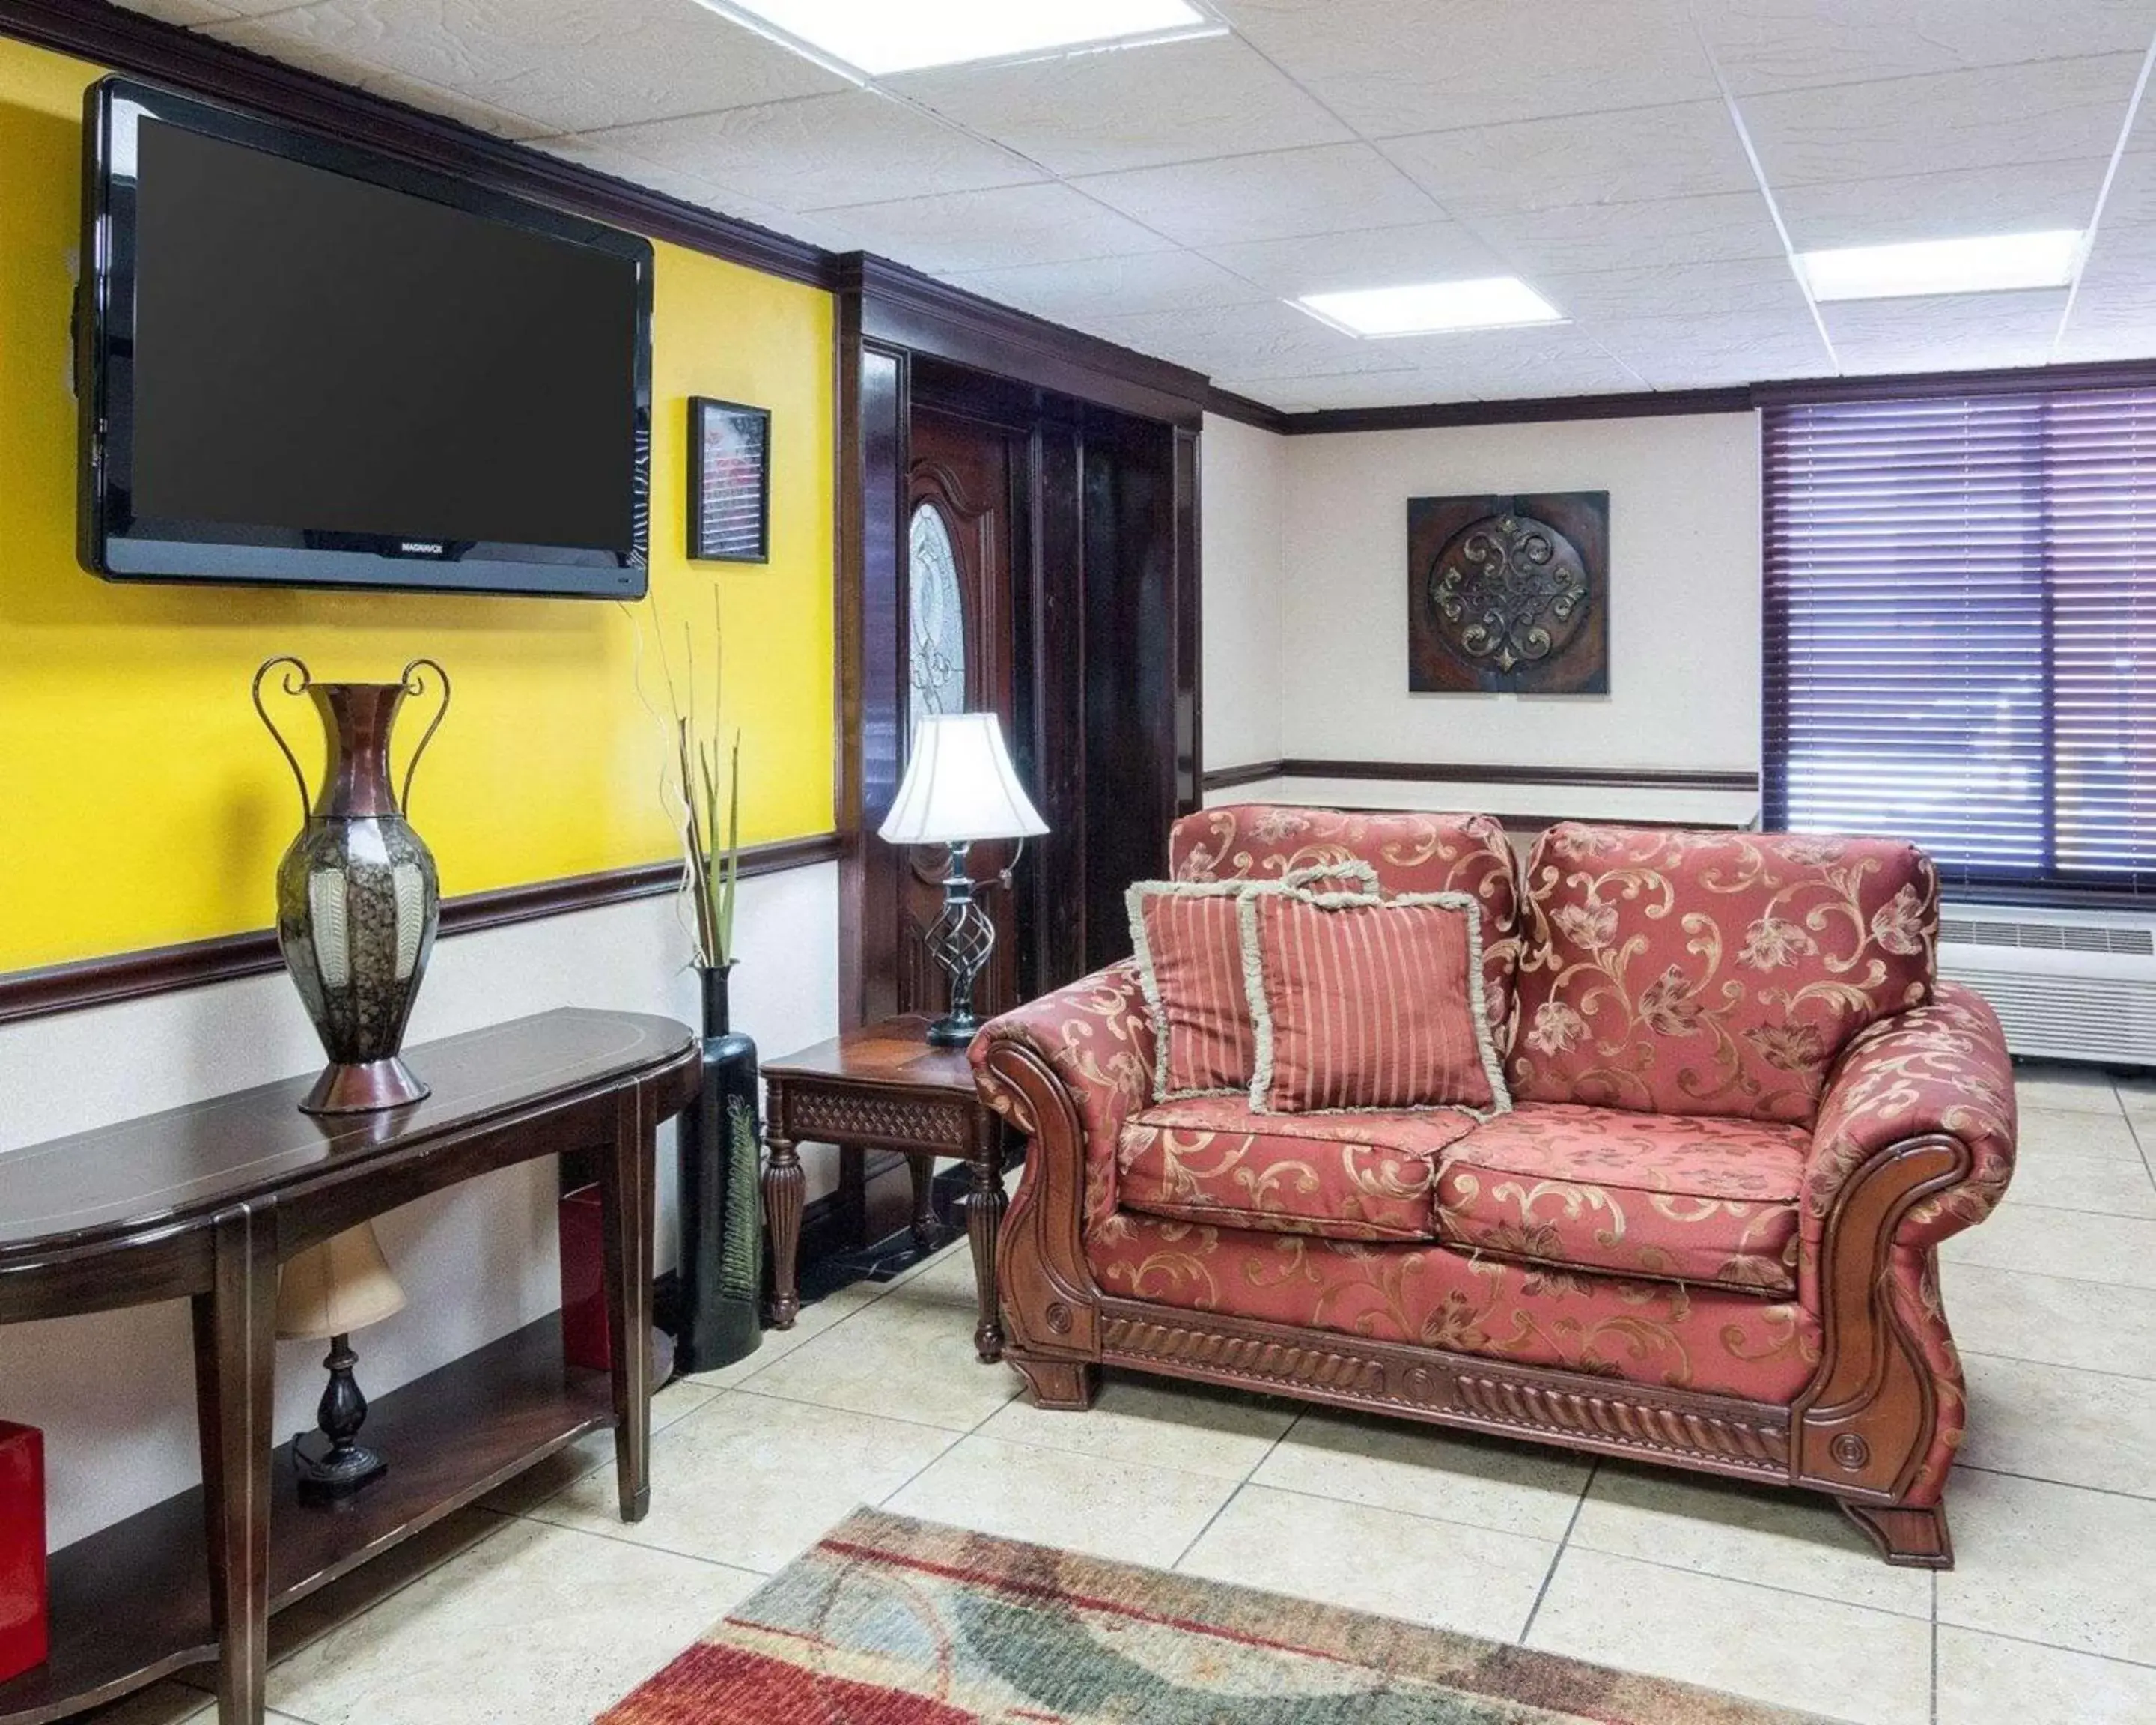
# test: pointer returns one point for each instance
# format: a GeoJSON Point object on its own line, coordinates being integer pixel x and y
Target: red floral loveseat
{"type": "Point", "coordinates": [1745, 1114]}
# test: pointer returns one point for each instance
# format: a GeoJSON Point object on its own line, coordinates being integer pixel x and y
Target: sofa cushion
{"type": "Point", "coordinates": [1188, 945]}
{"type": "Point", "coordinates": [1691, 972]}
{"type": "Point", "coordinates": [1685, 1196]}
{"type": "Point", "coordinates": [1410, 853]}
{"type": "Point", "coordinates": [1339, 1176]}
{"type": "Point", "coordinates": [1366, 1002]}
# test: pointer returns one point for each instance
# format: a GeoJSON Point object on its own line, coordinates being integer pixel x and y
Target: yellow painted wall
{"type": "Point", "coordinates": [141, 802]}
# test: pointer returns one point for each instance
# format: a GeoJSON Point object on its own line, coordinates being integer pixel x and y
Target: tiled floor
{"type": "Point", "coordinates": [543, 1608]}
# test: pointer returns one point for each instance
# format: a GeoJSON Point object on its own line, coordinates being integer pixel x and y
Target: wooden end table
{"type": "Point", "coordinates": [884, 1087]}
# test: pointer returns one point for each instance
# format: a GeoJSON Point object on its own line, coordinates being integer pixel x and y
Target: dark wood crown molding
{"type": "Point", "coordinates": [2012, 380]}
{"type": "Point", "coordinates": [1241, 408]}
{"type": "Point", "coordinates": [1539, 409]}
{"type": "Point", "coordinates": [903, 308]}
{"type": "Point", "coordinates": [1630, 778]}
{"type": "Point", "coordinates": [160, 970]}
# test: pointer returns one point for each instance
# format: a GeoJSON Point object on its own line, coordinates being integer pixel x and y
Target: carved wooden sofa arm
{"type": "Point", "coordinates": [1067, 1069]}
{"type": "Point", "coordinates": [1914, 1142]}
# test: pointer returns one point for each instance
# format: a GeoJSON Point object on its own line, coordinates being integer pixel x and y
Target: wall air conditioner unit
{"type": "Point", "coordinates": [2068, 985]}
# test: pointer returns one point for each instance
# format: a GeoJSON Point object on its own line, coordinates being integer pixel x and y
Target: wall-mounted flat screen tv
{"type": "Point", "coordinates": [303, 363]}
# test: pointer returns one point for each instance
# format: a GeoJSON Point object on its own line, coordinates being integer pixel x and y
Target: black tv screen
{"type": "Point", "coordinates": [308, 364]}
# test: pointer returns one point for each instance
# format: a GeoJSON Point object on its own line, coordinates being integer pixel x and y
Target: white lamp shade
{"type": "Point", "coordinates": [960, 786]}
{"type": "Point", "coordinates": [342, 1284]}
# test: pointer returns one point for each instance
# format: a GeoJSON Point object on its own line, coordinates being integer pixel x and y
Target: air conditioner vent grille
{"type": "Point", "coordinates": [2048, 936]}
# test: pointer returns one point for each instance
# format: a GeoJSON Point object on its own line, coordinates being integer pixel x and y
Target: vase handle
{"type": "Point", "coordinates": [415, 683]}
{"type": "Point", "coordinates": [297, 681]}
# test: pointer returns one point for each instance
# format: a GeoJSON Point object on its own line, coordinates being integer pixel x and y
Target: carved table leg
{"type": "Point", "coordinates": [783, 1183]}
{"type": "Point", "coordinates": [627, 1184]}
{"type": "Point", "coordinates": [922, 1170]}
{"type": "Point", "coordinates": [235, 1327]}
{"type": "Point", "coordinates": [984, 1218]}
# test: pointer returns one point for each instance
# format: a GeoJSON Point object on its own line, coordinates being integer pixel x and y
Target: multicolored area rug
{"type": "Point", "coordinates": [896, 1622]}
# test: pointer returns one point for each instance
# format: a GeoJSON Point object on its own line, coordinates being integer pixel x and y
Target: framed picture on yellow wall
{"type": "Point", "coordinates": [729, 481]}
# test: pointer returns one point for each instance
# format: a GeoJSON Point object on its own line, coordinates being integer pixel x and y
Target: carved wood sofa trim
{"type": "Point", "coordinates": [1858, 1431]}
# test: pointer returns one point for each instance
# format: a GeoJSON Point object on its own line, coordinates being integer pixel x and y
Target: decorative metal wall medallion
{"type": "Point", "coordinates": [1509, 593]}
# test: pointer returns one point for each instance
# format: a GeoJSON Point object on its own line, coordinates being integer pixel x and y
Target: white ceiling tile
{"type": "Point", "coordinates": [1943, 205]}
{"type": "Point", "coordinates": [1252, 339]}
{"type": "Point", "coordinates": [196, 11]}
{"type": "Point", "coordinates": [1152, 281]}
{"type": "Point", "coordinates": [1376, 257]}
{"type": "Point", "coordinates": [1945, 332]}
{"type": "Point", "coordinates": [1680, 150]}
{"type": "Point", "coordinates": [1740, 287]}
{"type": "Point", "coordinates": [600, 154]}
{"type": "Point", "coordinates": [2132, 197]}
{"type": "Point", "coordinates": [1281, 392]}
{"type": "Point", "coordinates": [1551, 360]}
{"type": "Point", "coordinates": [1353, 389]}
{"type": "Point", "coordinates": [2002, 116]}
{"type": "Point", "coordinates": [288, 37]}
{"type": "Point", "coordinates": [1100, 113]}
{"type": "Point", "coordinates": [1620, 236]}
{"type": "Point", "coordinates": [1764, 45]}
{"type": "Point", "coordinates": [825, 151]}
{"type": "Point", "coordinates": [570, 65]}
{"type": "Point", "coordinates": [1388, 67]}
{"type": "Point", "coordinates": [1704, 350]}
{"type": "Point", "coordinates": [1332, 188]}
{"type": "Point", "coordinates": [992, 229]}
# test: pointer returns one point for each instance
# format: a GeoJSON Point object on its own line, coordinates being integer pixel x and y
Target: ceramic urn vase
{"type": "Point", "coordinates": [358, 896]}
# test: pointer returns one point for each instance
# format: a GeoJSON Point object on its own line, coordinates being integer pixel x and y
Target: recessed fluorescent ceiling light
{"type": "Point", "coordinates": [1985, 263]}
{"type": "Point", "coordinates": [1489, 302]}
{"type": "Point", "coordinates": [881, 36]}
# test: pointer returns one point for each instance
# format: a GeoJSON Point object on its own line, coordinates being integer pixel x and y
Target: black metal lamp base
{"type": "Point", "coordinates": [954, 1030]}
{"type": "Point", "coordinates": [327, 1474]}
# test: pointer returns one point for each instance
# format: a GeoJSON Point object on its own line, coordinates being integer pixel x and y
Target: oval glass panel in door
{"type": "Point", "coordinates": [936, 645]}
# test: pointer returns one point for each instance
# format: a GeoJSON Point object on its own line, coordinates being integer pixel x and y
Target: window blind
{"type": "Point", "coordinates": [1960, 631]}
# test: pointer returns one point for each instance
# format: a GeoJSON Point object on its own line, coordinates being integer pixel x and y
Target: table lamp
{"type": "Point", "coordinates": [959, 788]}
{"type": "Point", "coordinates": [327, 1293]}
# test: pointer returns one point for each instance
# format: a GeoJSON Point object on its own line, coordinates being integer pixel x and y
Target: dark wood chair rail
{"type": "Point", "coordinates": [205, 1203]}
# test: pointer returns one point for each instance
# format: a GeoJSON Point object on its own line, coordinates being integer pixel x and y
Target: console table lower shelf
{"type": "Point", "coordinates": [131, 1603]}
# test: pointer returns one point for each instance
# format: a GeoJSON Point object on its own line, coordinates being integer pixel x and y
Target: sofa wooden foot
{"type": "Point", "coordinates": [1914, 1538]}
{"type": "Point", "coordinates": [1064, 1383]}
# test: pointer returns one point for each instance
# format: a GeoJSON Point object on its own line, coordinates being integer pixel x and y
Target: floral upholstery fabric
{"type": "Point", "coordinates": [1679, 1195]}
{"type": "Point", "coordinates": [1943, 1068]}
{"type": "Point", "coordinates": [1411, 854]}
{"type": "Point", "coordinates": [1095, 1035]}
{"type": "Point", "coordinates": [1339, 1176]}
{"type": "Point", "coordinates": [1691, 973]}
{"type": "Point", "coordinates": [1648, 1333]}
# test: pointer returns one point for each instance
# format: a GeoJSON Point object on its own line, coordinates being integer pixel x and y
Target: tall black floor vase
{"type": "Point", "coordinates": [721, 1226]}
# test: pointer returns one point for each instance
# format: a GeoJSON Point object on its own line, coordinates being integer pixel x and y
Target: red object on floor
{"type": "Point", "coordinates": [24, 1627]}
{"type": "Point", "coordinates": [584, 1338]}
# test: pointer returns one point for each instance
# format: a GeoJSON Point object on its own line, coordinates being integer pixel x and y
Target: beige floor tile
{"type": "Point", "coordinates": [1391, 1463]}
{"type": "Point", "coordinates": [1987, 1680]}
{"type": "Point", "coordinates": [594, 1449]}
{"type": "Point", "coordinates": [2103, 1184]}
{"type": "Point", "coordinates": [2118, 1249]}
{"type": "Point", "coordinates": [2080, 1428]}
{"type": "Point", "coordinates": [832, 1309]}
{"type": "Point", "coordinates": [1477, 1580]}
{"type": "Point", "coordinates": [752, 1481]}
{"type": "Point", "coordinates": [2079, 1089]}
{"type": "Point", "coordinates": [1840, 1660]}
{"type": "Point", "coordinates": [1785, 1539]}
{"type": "Point", "coordinates": [2041, 1132]}
{"type": "Point", "coordinates": [1196, 1428]}
{"type": "Point", "coordinates": [305, 1621]}
{"type": "Point", "coordinates": [2052, 1564]}
{"type": "Point", "coordinates": [543, 1625]}
{"type": "Point", "coordinates": [910, 1356]}
{"type": "Point", "coordinates": [2052, 1318]}
{"type": "Point", "coordinates": [1110, 1508]}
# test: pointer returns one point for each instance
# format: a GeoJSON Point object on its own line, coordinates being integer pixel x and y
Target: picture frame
{"type": "Point", "coordinates": [729, 481]}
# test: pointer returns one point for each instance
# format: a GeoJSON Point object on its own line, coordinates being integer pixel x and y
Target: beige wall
{"type": "Point", "coordinates": [1242, 490]}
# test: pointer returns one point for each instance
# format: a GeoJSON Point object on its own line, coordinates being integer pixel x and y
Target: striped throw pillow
{"type": "Point", "coordinates": [1367, 1002]}
{"type": "Point", "coordinates": [1189, 944]}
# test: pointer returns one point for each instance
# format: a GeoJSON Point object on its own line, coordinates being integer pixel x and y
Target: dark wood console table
{"type": "Point", "coordinates": [205, 1202]}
